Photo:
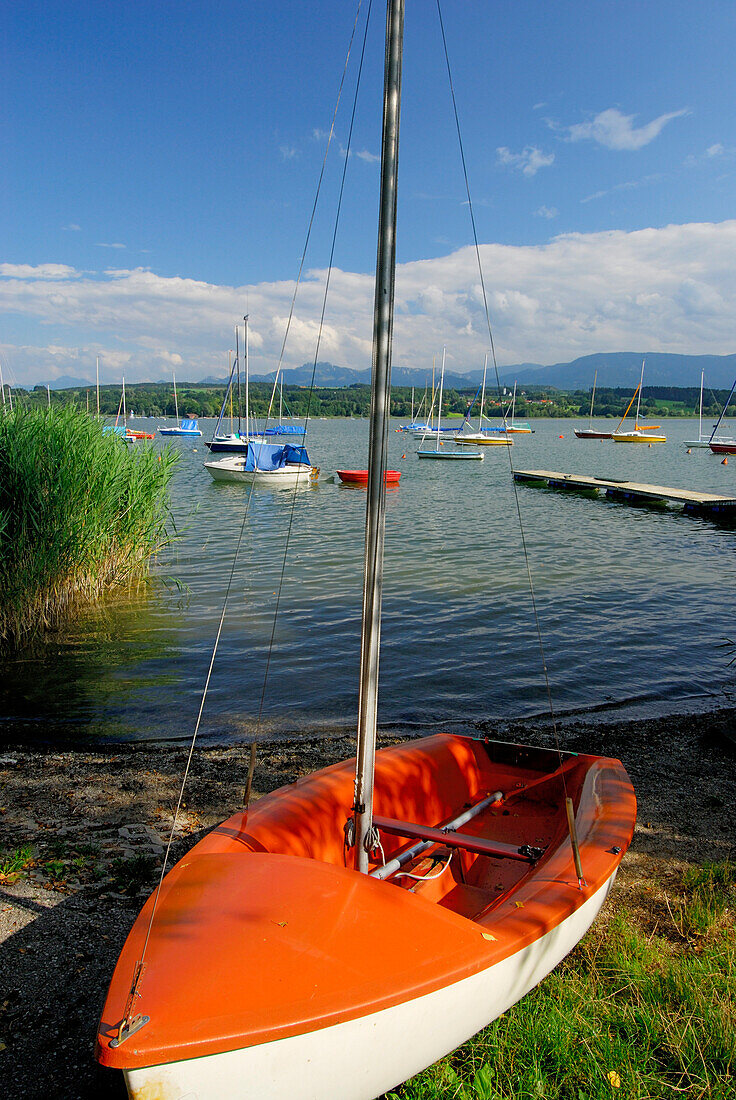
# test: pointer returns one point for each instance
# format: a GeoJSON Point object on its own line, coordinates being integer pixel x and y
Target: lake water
{"type": "Point", "coordinates": [636, 605]}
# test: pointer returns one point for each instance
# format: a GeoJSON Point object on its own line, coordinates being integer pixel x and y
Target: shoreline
{"type": "Point", "coordinates": [96, 820]}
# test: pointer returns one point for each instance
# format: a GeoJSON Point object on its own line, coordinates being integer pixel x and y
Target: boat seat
{"type": "Point", "coordinates": [523, 853]}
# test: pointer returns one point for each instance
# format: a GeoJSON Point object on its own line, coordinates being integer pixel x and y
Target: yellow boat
{"type": "Point", "coordinates": [640, 433]}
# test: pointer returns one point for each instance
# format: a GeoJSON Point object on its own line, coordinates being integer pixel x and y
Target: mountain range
{"type": "Point", "coordinates": [618, 369]}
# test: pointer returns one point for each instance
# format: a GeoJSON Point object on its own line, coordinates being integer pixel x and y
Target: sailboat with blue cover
{"type": "Point", "coordinates": [185, 427]}
{"type": "Point", "coordinates": [264, 463]}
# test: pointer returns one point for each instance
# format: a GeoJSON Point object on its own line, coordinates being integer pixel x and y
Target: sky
{"type": "Point", "coordinates": [161, 159]}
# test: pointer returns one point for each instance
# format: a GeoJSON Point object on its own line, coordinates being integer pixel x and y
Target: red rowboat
{"type": "Point", "coordinates": [360, 477]}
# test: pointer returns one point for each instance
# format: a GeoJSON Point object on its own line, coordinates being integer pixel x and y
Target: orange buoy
{"type": "Point", "coordinates": [725, 462]}
{"type": "Point", "coordinates": [562, 437]}
{"type": "Point", "coordinates": [689, 451]}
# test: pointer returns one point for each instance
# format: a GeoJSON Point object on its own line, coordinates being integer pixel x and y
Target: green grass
{"type": "Point", "coordinates": [642, 1009]}
{"type": "Point", "coordinates": [14, 863]}
{"type": "Point", "coordinates": [79, 512]}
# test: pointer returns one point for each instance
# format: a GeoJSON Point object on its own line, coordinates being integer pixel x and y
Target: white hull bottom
{"type": "Point", "coordinates": [360, 1059]}
{"type": "Point", "coordinates": [472, 455]}
{"type": "Point", "coordinates": [228, 470]}
{"type": "Point", "coordinates": [484, 441]}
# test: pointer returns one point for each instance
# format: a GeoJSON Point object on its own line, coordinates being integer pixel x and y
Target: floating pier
{"type": "Point", "coordinates": [704, 504]}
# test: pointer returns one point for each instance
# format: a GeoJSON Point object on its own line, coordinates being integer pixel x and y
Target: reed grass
{"type": "Point", "coordinates": [640, 1010]}
{"type": "Point", "coordinates": [79, 512]}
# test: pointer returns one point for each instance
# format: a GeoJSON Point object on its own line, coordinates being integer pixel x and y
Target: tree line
{"type": "Point", "coordinates": [197, 400]}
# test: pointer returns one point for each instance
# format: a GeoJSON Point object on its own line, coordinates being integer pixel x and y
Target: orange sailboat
{"type": "Point", "coordinates": [348, 930]}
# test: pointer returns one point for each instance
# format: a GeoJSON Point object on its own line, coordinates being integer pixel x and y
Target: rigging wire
{"type": "Point", "coordinates": [124, 1024]}
{"type": "Point", "coordinates": [527, 562]}
{"type": "Point", "coordinates": [254, 742]}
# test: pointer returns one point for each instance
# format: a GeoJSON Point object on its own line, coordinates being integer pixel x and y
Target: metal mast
{"type": "Point", "coordinates": [383, 313]}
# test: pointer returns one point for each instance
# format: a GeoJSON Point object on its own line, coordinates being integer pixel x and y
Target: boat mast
{"type": "Point", "coordinates": [383, 311]}
{"type": "Point", "coordinates": [638, 403]}
{"type": "Point", "coordinates": [176, 399]}
{"type": "Point", "coordinates": [592, 399]}
{"type": "Point", "coordinates": [700, 418]}
{"type": "Point", "coordinates": [439, 403]}
{"type": "Point", "coordinates": [237, 360]}
{"type": "Point", "coordinates": [98, 385]}
{"type": "Point", "coordinates": [723, 413]}
{"type": "Point", "coordinates": [125, 415]}
{"type": "Point", "coordinates": [483, 394]}
{"type": "Point", "coordinates": [247, 383]}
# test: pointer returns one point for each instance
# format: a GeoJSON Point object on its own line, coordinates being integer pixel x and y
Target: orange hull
{"type": "Point", "coordinates": [261, 931]}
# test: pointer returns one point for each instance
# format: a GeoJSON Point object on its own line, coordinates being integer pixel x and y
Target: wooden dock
{"type": "Point", "coordinates": [704, 504]}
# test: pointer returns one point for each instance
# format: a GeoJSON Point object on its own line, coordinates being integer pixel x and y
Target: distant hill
{"type": "Point", "coordinates": [623, 368]}
{"type": "Point", "coordinates": [615, 369]}
{"type": "Point", "coordinates": [64, 382]}
{"type": "Point", "coordinates": [331, 376]}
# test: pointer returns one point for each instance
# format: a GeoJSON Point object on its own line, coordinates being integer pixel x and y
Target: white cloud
{"type": "Point", "coordinates": [39, 271]}
{"type": "Point", "coordinates": [72, 228]}
{"type": "Point", "coordinates": [669, 289]}
{"type": "Point", "coordinates": [615, 130]}
{"type": "Point", "coordinates": [548, 212]}
{"type": "Point", "coordinates": [102, 244]}
{"type": "Point", "coordinates": [626, 185]}
{"type": "Point", "coordinates": [288, 152]}
{"type": "Point", "coordinates": [528, 161]}
{"type": "Point", "coordinates": [369, 158]}
{"type": "Point", "coordinates": [716, 150]}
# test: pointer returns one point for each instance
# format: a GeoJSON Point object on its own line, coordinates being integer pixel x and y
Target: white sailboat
{"type": "Point", "coordinates": [702, 440]}
{"type": "Point", "coordinates": [590, 432]}
{"type": "Point", "coordinates": [445, 453]}
{"type": "Point", "coordinates": [188, 426]}
{"type": "Point", "coordinates": [348, 930]}
{"type": "Point", "coordinates": [482, 438]}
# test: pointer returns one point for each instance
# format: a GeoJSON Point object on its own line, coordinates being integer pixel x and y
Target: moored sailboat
{"type": "Point", "coordinates": [482, 438]}
{"type": "Point", "coordinates": [590, 432]}
{"type": "Point", "coordinates": [188, 426]}
{"type": "Point", "coordinates": [640, 433]}
{"type": "Point", "coordinates": [350, 929]}
{"type": "Point", "coordinates": [723, 446]}
{"type": "Point", "coordinates": [445, 453]}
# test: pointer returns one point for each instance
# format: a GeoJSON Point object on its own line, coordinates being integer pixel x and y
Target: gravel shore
{"type": "Point", "coordinates": [92, 825]}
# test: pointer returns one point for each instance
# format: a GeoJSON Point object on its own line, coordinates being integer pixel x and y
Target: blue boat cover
{"type": "Point", "coordinates": [189, 425]}
{"type": "Point", "coordinates": [285, 429]}
{"type": "Point", "coordinates": [273, 456]}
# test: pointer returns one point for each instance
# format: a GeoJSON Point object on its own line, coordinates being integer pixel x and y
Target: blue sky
{"type": "Point", "coordinates": [160, 161]}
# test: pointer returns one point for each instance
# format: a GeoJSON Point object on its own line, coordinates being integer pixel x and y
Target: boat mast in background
{"type": "Point", "coordinates": [247, 382]}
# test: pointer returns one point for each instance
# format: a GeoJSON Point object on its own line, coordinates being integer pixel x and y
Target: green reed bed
{"type": "Point", "coordinates": [644, 1008]}
{"type": "Point", "coordinates": [79, 511]}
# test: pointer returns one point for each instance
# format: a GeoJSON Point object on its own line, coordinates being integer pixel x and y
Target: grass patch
{"type": "Point", "coordinates": [133, 874]}
{"type": "Point", "coordinates": [14, 864]}
{"type": "Point", "coordinates": [79, 512]}
{"type": "Point", "coordinates": [629, 1013]}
